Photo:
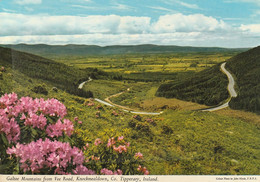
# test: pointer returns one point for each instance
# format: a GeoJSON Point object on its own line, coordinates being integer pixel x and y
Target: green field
{"type": "Point", "coordinates": [143, 73]}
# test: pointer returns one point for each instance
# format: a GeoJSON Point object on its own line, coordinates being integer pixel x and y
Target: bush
{"type": "Point", "coordinates": [166, 130]}
{"type": "Point", "coordinates": [40, 89]}
{"type": "Point", "coordinates": [114, 156]}
{"type": "Point", "coordinates": [47, 138]}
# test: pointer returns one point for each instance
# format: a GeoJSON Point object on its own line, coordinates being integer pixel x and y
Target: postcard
{"type": "Point", "coordinates": [132, 91]}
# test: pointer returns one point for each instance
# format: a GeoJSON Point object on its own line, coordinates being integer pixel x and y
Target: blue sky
{"type": "Point", "coordinates": [222, 23]}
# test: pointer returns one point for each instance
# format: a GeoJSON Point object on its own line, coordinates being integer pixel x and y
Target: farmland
{"type": "Point", "coordinates": [142, 73]}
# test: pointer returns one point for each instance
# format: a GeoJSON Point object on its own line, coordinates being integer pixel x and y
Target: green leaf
{"type": "Point", "coordinates": [4, 139]}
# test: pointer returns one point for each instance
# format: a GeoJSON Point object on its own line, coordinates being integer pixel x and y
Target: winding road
{"type": "Point", "coordinates": [111, 104]}
{"type": "Point", "coordinates": [230, 88]}
{"type": "Point", "coordinates": [83, 83]}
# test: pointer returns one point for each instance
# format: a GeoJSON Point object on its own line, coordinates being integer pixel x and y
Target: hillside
{"type": "Point", "coordinates": [209, 86]}
{"type": "Point", "coordinates": [206, 87]}
{"type": "Point", "coordinates": [81, 50]}
{"type": "Point", "coordinates": [57, 74]}
{"type": "Point", "coordinates": [246, 68]}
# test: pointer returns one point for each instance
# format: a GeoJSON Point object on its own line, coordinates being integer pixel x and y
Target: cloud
{"type": "Point", "coordinates": [257, 2]}
{"type": "Point", "coordinates": [85, 7]}
{"type": "Point", "coordinates": [187, 5]}
{"type": "Point", "coordinates": [115, 6]}
{"type": "Point", "coordinates": [183, 39]}
{"type": "Point", "coordinates": [172, 29]}
{"type": "Point", "coordinates": [252, 28]}
{"type": "Point", "coordinates": [188, 23]}
{"type": "Point", "coordinates": [122, 7]}
{"type": "Point", "coordinates": [8, 10]}
{"type": "Point", "coordinates": [18, 24]}
{"type": "Point", "coordinates": [24, 2]}
{"type": "Point", "coordinates": [161, 8]}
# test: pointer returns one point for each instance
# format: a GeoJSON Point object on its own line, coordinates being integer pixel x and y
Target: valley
{"type": "Point", "coordinates": [158, 99]}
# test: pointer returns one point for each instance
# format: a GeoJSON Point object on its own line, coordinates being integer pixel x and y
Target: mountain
{"type": "Point", "coordinates": [246, 69]}
{"type": "Point", "coordinates": [210, 86]}
{"type": "Point", "coordinates": [57, 74]}
{"type": "Point", "coordinates": [81, 50]}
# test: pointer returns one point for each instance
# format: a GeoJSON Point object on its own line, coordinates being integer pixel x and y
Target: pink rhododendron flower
{"type": "Point", "coordinates": [120, 138]}
{"type": "Point", "coordinates": [139, 155]}
{"type": "Point", "coordinates": [111, 142]}
{"type": "Point", "coordinates": [10, 128]}
{"type": "Point", "coordinates": [127, 144]}
{"type": "Point", "coordinates": [56, 129]}
{"type": "Point", "coordinates": [120, 148]}
{"type": "Point", "coordinates": [119, 172]}
{"type": "Point", "coordinates": [82, 170]}
{"type": "Point", "coordinates": [47, 154]}
{"type": "Point", "coordinates": [143, 170]}
{"type": "Point", "coordinates": [98, 141]}
{"type": "Point", "coordinates": [8, 99]}
{"type": "Point", "coordinates": [106, 171]}
{"type": "Point", "coordinates": [33, 113]}
{"type": "Point", "coordinates": [93, 158]}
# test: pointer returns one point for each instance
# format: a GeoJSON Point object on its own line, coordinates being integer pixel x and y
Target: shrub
{"type": "Point", "coordinates": [167, 129]}
{"type": "Point", "coordinates": [137, 117]}
{"type": "Point", "coordinates": [46, 136]}
{"type": "Point", "coordinates": [114, 156]}
{"type": "Point", "coordinates": [40, 89]}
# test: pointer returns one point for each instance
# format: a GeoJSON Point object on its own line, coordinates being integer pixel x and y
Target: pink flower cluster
{"type": "Point", "coordinates": [106, 171]}
{"type": "Point", "coordinates": [91, 104]}
{"type": "Point", "coordinates": [143, 170]}
{"type": "Point", "coordinates": [32, 112]}
{"type": "Point", "coordinates": [111, 142]}
{"type": "Point", "coordinates": [97, 141]}
{"type": "Point", "coordinates": [139, 155]}
{"type": "Point", "coordinates": [121, 148]}
{"type": "Point", "coordinates": [82, 170]}
{"type": "Point", "coordinates": [10, 128]}
{"type": "Point", "coordinates": [47, 154]}
{"type": "Point", "coordinates": [58, 128]}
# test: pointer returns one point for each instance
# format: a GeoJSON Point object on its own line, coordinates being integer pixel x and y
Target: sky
{"type": "Point", "coordinates": [201, 23]}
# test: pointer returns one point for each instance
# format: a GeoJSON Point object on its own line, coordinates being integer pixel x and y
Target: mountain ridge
{"type": "Point", "coordinates": [81, 50]}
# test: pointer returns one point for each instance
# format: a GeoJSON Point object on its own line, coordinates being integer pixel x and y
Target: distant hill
{"type": "Point", "coordinates": [81, 50]}
{"type": "Point", "coordinates": [57, 74]}
{"type": "Point", "coordinates": [210, 86]}
{"type": "Point", "coordinates": [246, 68]}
